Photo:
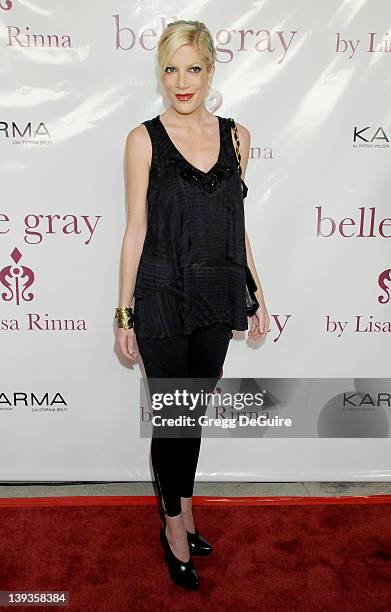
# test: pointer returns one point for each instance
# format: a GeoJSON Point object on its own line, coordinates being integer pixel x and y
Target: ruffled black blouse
{"type": "Point", "coordinates": [192, 267]}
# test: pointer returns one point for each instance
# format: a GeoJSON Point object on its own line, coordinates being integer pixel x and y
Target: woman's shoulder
{"type": "Point", "coordinates": [243, 132]}
{"type": "Point", "coordinates": [242, 129]}
{"type": "Point", "coordinates": [141, 133]}
{"type": "Point", "coordinates": [137, 136]}
{"type": "Point", "coordinates": [139, 139]}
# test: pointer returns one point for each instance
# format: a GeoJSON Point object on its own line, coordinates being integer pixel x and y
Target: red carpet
{"type": "Point", "coordinates": [271, 554]}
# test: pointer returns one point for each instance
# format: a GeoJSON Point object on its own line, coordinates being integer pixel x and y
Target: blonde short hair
{"type": "Point", "coordinates": [184, 32]}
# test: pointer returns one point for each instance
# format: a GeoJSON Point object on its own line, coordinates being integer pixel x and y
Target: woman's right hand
{"type": "Point", "coordinates": [126, 342]}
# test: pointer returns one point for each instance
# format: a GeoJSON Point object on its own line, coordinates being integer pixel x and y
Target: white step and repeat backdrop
{"type": "Point", "coordinates": [311, 81]}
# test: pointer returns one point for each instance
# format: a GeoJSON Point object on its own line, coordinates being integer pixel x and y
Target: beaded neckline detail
{"type": "Point", "coordinates": [209, 181]}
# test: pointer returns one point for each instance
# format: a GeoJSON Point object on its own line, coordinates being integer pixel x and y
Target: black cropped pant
{"type": "Point", "coordinates": [198, 355]}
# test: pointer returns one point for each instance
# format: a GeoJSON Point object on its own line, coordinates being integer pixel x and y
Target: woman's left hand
{"type": "Point", "coordinates": [259, 325]}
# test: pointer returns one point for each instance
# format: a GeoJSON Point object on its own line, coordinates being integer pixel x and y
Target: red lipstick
{"type": "Point", "coordinates": [183, 97]}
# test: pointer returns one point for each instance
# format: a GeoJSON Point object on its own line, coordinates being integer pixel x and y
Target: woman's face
{"type": "Point", "coordinates": [187, 74]}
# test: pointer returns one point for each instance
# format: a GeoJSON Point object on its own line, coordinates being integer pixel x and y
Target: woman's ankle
{"type": "Point", "coordinates": [174, 524]}
{"type": "Point", "coordinates": [188, 520]}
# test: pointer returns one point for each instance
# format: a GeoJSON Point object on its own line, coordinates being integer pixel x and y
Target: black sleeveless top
{"type": "Point", "coordinates": [192, 267]}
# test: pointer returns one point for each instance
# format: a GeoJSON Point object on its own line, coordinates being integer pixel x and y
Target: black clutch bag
{"type": "Point", "coordinates": [252, 303]}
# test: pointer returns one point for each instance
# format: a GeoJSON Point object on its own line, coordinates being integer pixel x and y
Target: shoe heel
{"type": "Point", "coordinates": [198, 545]}
{"type": "Point", "coordinates": [183, 573]}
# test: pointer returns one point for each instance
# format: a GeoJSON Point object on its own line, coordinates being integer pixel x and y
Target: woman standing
{"type": "Point", "coordinates": [183, 260]}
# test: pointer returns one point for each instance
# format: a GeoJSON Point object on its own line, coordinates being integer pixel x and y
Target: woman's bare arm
{"type": "Point", "coordinates": [138, 155]}
{"type": "Point", "coordinates": [244, 137]}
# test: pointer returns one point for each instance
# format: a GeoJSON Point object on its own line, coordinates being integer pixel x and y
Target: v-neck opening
{"type": "Point", "coordinates": [184, 158]}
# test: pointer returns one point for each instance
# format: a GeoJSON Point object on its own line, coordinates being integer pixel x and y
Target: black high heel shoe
{"type": "Point", "coordinates": [182, 573]}
{"type": "Point", "coordinates": [198, 545]}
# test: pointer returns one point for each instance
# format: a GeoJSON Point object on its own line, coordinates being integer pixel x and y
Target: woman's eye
{"type": "Point", "coordinates": [196, 69]}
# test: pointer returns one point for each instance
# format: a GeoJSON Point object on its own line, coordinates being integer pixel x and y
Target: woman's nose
{"type": "Point", "coordinates": [182, 79]}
